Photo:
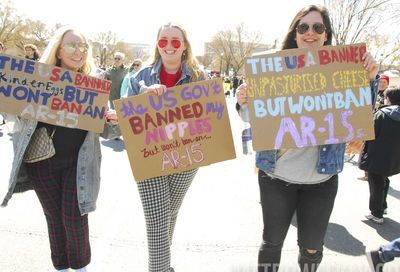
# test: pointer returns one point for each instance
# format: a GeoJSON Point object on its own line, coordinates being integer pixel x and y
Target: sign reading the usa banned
{"type": "Point", "coordinates": [185, 128]}
{"type": "Point", "coordinates": [52, 95]}
{"type": "Point", "coordinates": [308, 97]}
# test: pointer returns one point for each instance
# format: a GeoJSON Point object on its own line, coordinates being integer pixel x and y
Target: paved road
{"type": "Point", "coordinates": [218, 229]}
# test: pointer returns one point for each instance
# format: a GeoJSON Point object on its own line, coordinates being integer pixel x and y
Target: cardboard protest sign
{"type": "Point", "coordinates": [52, 95]}
{"type": "Point", "coordinates": [185, 128]}
{"type": "Point", "coordinates": [308, 97]}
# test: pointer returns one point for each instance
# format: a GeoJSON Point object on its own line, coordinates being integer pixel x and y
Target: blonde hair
{"type": "Point", "coordinates": [50, 53]}
{"type": "Point", "coordinates": [31, 46]}
{"type": "Point", "coordinates": [187, 56]}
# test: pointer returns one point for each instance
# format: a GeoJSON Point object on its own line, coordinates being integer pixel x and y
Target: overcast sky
{"type": "Point", "coordinates": [137, 21]}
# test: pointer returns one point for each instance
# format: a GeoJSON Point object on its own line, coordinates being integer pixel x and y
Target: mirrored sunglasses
{"type": "Point", "coordinates": [174, 42]}
{"type": "Point", "coordinates": [71, 47]}
{"type": "Point", "coordinates": [317, 27]}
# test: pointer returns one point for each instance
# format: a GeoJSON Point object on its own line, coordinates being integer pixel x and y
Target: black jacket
{"type": "Point", "coordinates": [382, 155]}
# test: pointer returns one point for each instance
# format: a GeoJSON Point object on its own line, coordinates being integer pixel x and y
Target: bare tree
{"type": "Point", "coordinates": [221, 47]}
{"type": "Point", "coordinates": [231, 47]}
{"type": "Point", "coordinates": [10, 23]}
{"type": "Point", "coordinates": [352, 19]}
{"type": "Point", "coordinates": [34, 32]}
{"type": "Point", "coordinates": [247, 42]}
{"type": "Point", "coordinates": [140, 53]}
{"type": "Point", "coordinates": [388, 56]}
{"type": "Point", "coordinates": [104, 47]}
{"type": "Point", "coordinates": [362, 21]}
{"type": "Point", "coordinates": [205, 60]}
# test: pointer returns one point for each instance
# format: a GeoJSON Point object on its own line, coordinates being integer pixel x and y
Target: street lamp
{"type": "Point", "coordinates": [103, 54]}
{"type": "Point", "coordinates": [220, 65]}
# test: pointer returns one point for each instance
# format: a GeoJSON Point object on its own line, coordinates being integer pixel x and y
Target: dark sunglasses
{"type": "Point", "coordinates": [174, 42]}
{"type": "Point", "coordinates": [317, 27]}
{"type": "Point", "coordinates": [71, 47]}
{"type": "Point", "coordinates": [117, 58]}
{"type": "Point", "coordinates": [136, 64]}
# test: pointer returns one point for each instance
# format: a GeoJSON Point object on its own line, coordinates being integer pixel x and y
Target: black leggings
{"type": "Point", "coordinates": [313, 205]}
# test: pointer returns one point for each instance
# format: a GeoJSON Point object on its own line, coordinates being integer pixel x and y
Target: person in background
{"type": "Point", "coordinates": [116, 75]}
{"type": "Point", "coordinates": [300, 180]}
{"type": "Point", "coordinates": [162, 196]}
{"type": "Point", "coordinates": [133, 69]}
{"type": "Point", "coordinates": [378, 257]}
{"type": "Point", "coordinates": [235, 84]}
{"type": "Point", "coordinates": [31, 52]}
{"type": "Point", "coordinates": [2, 121]}
{"type": "Point", "coordinates": [68, 183]}
{"type": "Point", "coordinates": [383, 85]}
{"type": "Point", "coordinates": [381, 157]}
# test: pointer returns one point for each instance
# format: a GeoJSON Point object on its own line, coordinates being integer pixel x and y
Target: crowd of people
{"type": "Point", "coordinates": [295, 181]}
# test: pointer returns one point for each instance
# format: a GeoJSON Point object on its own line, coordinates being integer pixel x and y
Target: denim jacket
{"type": "Point", "coordinates": [151, 75]}
{"type": "Point", "coordinates": [331, 157]}
{"type": "Point", "coordinates": [88, 170]}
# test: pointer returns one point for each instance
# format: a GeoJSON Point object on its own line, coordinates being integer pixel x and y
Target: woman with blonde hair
{"type": "Point", "coordinates": [31, 52]}
{"type": "Point", "coordinates": [162, 196]}
{"type": "Point", "coordinates": [67, 184]}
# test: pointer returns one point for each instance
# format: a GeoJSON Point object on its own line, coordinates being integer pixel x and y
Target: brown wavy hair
{"type": "Point", "coordinates": [290, 42]}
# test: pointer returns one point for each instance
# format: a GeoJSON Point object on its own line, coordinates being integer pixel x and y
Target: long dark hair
{"type": "Point", "coordinates": [290, 42]}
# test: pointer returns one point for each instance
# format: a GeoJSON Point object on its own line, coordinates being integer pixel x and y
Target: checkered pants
{"type": "Point", "coordinates": [161, 199]}
{"type": "Point", "coordinates": [54, 181]}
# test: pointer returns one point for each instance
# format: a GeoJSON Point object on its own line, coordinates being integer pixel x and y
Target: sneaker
{"type": "Point", "coordinates": [363, 178]}
{"type": "Point", "coordinates": [374, 262]}
{"type": "Point", "coordinates": [385, 211]}
{"type": "Point", "coordinates": [375, 219]}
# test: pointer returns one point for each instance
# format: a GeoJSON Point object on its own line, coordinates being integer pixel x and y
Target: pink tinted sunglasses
{"type": "Point", "coordinates": [176, 43]}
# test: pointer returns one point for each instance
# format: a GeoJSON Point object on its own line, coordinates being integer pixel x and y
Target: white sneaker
{"type": "Point", "coordinates": [375, 219]}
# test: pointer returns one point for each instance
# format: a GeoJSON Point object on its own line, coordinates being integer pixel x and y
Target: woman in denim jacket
{"type": "Point", "coordinates": [66, 184]}
{"type": "Point", "coordinates": [301, 180]}
{"type": "Point", "coordinates": [173, 64]}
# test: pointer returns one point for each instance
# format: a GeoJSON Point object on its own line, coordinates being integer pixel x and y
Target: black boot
{"type": "Point", "coordinates": [309, 262]}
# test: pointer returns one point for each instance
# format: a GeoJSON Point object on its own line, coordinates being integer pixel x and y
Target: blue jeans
{"type": "Point", "coordinates": [388, 252]}
{"type": "Point", "coordinates": [313, 205]}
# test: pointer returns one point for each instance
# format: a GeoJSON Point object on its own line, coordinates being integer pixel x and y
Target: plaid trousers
{"type": "Point", "coordinates": [161, 199]}
{"type": "Point", "coordinates": [54, 181]}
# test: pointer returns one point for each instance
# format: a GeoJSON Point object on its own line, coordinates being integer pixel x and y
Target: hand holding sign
{"type": "Point", "coordinates": [370, 65]}
{"type": "Point", "coordinates": [111, 116]}
{"type": "Point", "coordinates": [242, 94]}
{"type": "Point", "coordinates": [307, 97]}
{"type": "Point", "coordinates": [184, 128]}
{"type": "Point", "coordinates": [52, 94]}
{"type": "Point", "coordinates": [157, 89]}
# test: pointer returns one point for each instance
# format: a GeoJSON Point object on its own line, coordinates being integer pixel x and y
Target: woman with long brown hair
{"type": "Point", "coordinates": [300, 180]}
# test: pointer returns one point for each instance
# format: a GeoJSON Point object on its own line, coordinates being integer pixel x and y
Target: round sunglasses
{"type": "Point", "coordinates": [71, 47]}
{"type": "Point", "coordinates": [317, 27]}
{"type": "Point", "coordinates": [176, 43]}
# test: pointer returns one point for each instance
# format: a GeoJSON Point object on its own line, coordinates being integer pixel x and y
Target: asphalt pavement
{"type": "Point", "coordinates": [219, 225]}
